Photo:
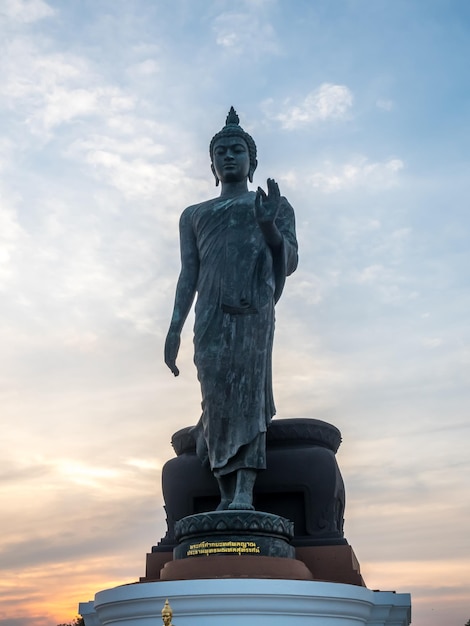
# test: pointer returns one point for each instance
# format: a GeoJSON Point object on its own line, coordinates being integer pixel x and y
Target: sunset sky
{"type": "Point", "coordinates": [361, 111]}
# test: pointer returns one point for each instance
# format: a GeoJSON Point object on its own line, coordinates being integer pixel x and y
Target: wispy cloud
{"type": "Point", "coordinates": [149, 67]}
{"type": "Point", "coordinates": [25, 11]}
{"type": "Point", "coordinates": [327, 102]}
{"type": "Point", "coordinates": [249, 33]}
{"type": "Point", "coordinates": [12, 239]}
{"type": "Point", "coordinates": [359, 172]}
{"type": "Point", "coordinates": [385, 104]}
{"type": "Point", "coordinates": [50, 88]}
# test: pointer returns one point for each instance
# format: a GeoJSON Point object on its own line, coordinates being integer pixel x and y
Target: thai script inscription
{"type": "Point", "coordinates": [222, 547]}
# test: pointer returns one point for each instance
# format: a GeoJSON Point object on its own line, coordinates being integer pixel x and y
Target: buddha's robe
{"type": "Point", "coordinates": [239, 281]}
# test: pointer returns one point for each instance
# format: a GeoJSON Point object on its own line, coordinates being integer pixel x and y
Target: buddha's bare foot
{"type": "Point", "coordinates": [239, 504]}
{"type": "Point", "coordinates": [224, 505]}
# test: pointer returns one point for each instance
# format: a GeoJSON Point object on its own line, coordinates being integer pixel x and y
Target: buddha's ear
{"type": "Point", "coordinates": [253, 167]}
{"type": "Point", "coordinates": [215, 175]}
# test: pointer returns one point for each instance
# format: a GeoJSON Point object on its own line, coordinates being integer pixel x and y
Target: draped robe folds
{"type": "Point", "coordinates": [239, 281]}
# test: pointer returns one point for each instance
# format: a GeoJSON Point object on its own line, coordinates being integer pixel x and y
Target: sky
{"type": "Point", "coordinates": [361, 111]}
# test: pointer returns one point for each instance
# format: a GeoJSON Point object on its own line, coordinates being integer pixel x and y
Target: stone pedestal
{"type": "Point", "coordinates": [232, 533]}
{"type": "Point", "coordinates": [234, 544]}
{"type": "Point", "coordinates": [237, 602]}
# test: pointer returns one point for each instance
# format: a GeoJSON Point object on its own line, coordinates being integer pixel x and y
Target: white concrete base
{"type": "Point", "coordinates": [256, 602]}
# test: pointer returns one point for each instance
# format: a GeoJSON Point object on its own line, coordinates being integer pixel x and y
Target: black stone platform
{"type": "Point", "coordinates": [302, 482]}
{"type": "Point", "coordinates": [234, 533]}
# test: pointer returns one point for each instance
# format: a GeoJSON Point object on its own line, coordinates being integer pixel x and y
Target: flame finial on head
{"type": "Point", "coordinates": [232, 117]}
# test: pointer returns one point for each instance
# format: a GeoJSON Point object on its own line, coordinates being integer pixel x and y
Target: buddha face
{"type": "Point", "coordinates": [231, 159]}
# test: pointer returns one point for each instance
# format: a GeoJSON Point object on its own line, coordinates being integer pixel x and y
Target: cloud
{"type": "Point", "coordinates": [431, 342]}
{"type": "Point", "coordinates": [136, 176]}
{"type": "Point", "coordinates": [13, 239]}
{"type": "Point", "coordinates": [385, 105]}
{"type": "Point", "coordinates": [62, 105]}
{"type": "Point", "coordinates": [12, 474]}
{"type": "Point", "coordinates": [49, 89]}
{"type": "Point", "coordinates": [359, 172]}
{"type": "Point", "coordinates": [246, 33]}
{"type": "Point", "coordinates": [61, 492]}
{"type": "Point", "coordinates": [26, 11]}
{"type": "Point", "coordinates": [328, 102]}
{"type": "Point", "coordinates": [149, 67]}
{"type": "Point", "coordinates": [371, 274]}
{"type": "Point", "coordinates": [307, 288]}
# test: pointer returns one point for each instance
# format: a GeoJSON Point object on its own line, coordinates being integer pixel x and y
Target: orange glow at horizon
{"type": "Point", "coordinates": [59, 596]}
